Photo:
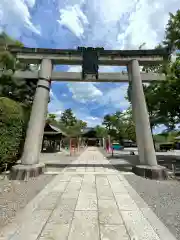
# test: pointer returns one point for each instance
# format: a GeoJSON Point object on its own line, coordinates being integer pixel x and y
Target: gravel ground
{"type": "Point", "coordinates": [14, 195]}
{"type": "Point", "coordinates": [163, 197]}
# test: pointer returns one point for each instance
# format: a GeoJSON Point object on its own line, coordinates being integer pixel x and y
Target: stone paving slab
{"type": "Point", "coordinates": [115, 232]}
{"type": "Point", "coordinates": [108, 213]}
{"type": "Point", "coordinates": [98, 205]}
{"type": "Point", "coordinates": [72, 190]}
{"type": "Point", "coordinates": [116, 185]}
{"type": "Point", "coordinates": [55, 231]}
{"type": "Point", "coordinates": [63, 213]}
{"type": "Point", "coordinates": [84, 226]}
{"type": "Point", "coordinates": [87, 199]}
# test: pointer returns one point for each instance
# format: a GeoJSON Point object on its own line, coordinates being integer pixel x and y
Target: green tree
{"type": "Point", "coordinates": [21, 90]}
{"type": "Point", "coordinates": [108, 121]}
{"type": "Point", "coordinates": [77, 128]}
{"type": "Point", "coordinates": [67, 118]}
{"type": "Point", "coordinates": [118, 130]}
{"type": "Point", "coordinates": [51, 118]}
{"type": "Point", "coordinates": [129, 125]}
{"type": "Point", "coordinates": [81, 124]}
{"type": "Point", "coordinates": [172, 31]}
{"type": "Point", "coordinates": [101, 131]}
{"type": "Point", "coordinates": [12, 124]}
{"type": "Point", "coordinates": [164, 98]}
{"type": "Point", "coordinates": [70, 124]}
{"type": "Point", "coordinates": [6, 40]}
{"type": "Point", "coordinates": [120, 126]}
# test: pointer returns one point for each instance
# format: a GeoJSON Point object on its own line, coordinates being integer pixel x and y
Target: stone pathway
{"type": "Point", "coordinates": [93, 201]}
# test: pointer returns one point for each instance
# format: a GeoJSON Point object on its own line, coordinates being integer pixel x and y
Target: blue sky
{"type": "Point", "coordinates": [112, 24]}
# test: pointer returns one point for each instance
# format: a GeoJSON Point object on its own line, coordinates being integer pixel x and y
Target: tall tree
{"type": "Point", "coordinates": [67, 118]}
{"type": "Point", "coordinates": [67, 121]}
{"type": "Point", "coordinates": [107, 121]}
{"type": "Point", "coordinates": [164, 98]}
{"type": "Point", "coordinates": [70, 124]}
{"type": "Point", "coordinates": [129, 125]}
{"type": "Point", "coordinates": [81, 124]}
{"type": "Point", "coordinates": [101, 131]}
{"type": "Point", "coordinates": [120, 126]}
{"type": "Point", "coordinates": [172, 31]}
{"type": "Point", "coordinates": [77, 128]}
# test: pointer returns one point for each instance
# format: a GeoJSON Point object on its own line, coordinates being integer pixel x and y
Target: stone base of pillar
{"type": "Point", "coordinates": [24, 172]}
{"type": "Point", "coordinates": [151, 172]}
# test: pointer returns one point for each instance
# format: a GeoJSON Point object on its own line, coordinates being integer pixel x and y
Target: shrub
{"type": "Point", "coordinates": [12, 124]}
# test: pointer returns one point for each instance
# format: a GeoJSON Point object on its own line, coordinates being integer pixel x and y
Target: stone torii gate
{"type": "Point", "coordinates": [133, 59]}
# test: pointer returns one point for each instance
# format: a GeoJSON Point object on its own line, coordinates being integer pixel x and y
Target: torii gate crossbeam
{"type": "Point", "coordinates": [74, 57]}
{"type": "Point", "coordinates": [76, 76]}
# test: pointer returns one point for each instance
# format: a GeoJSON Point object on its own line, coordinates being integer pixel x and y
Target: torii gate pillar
{"type": "Point", "coordinates": [30, 165]}
{"type": "Point", "coordinates": [147, 156]}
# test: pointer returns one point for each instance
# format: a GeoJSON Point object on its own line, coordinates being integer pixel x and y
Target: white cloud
{"type": "Point", "coordinates": [115, 97]}
{"type": "Point", "coordinates": [88, 92]}
{"type": "Point", "coordinates": [92, 121]}
{"type": "Point", "coordinates": [92, 118]}
{"type": "Point", "coordinates": [75, 69]}
{"type": "Point", "coordinates": [81, 91]}
{"type": "Point", "coordinates": [73, 18]}
{"type": "Point", "coordinates": [59, 113]}
{"type": "Point", "coordinates": [146, 23]}
{"type": "Point", "coordinates": [15, 15]}
{"type": "Point", "coordinates": [55, 105]}
{"type": "Point", "coordinates": [51, 94]}
{"type": "Point", "coordinates": [110, 68]}
{"type": "Point", "coordinates": [84, 92]}
{"type": "Point", "coordinates": [30, 3]}
{"type": "Point", "coordinates": [117, 24]}
{"type": "Point", "coordinates": [120, 24]}
{"type": "Point", "coordinates": [85, 116]}
{"type": "Point", "coordinates": [159, 129]}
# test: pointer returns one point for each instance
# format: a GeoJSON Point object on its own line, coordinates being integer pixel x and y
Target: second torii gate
{"type": "Point", "coordinates": [133, 59]}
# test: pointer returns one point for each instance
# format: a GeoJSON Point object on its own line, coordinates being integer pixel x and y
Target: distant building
{"type": "Point", "coordinates": [90, 137]}
{"type": "Point", "coordinates": [52, 138]}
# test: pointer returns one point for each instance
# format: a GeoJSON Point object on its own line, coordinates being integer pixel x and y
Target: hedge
{"type": "Point", "coordinates": [12, 130]}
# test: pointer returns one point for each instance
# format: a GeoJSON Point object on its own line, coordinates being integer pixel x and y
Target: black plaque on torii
{"type": "Point", "coordinates": [90, 61]}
